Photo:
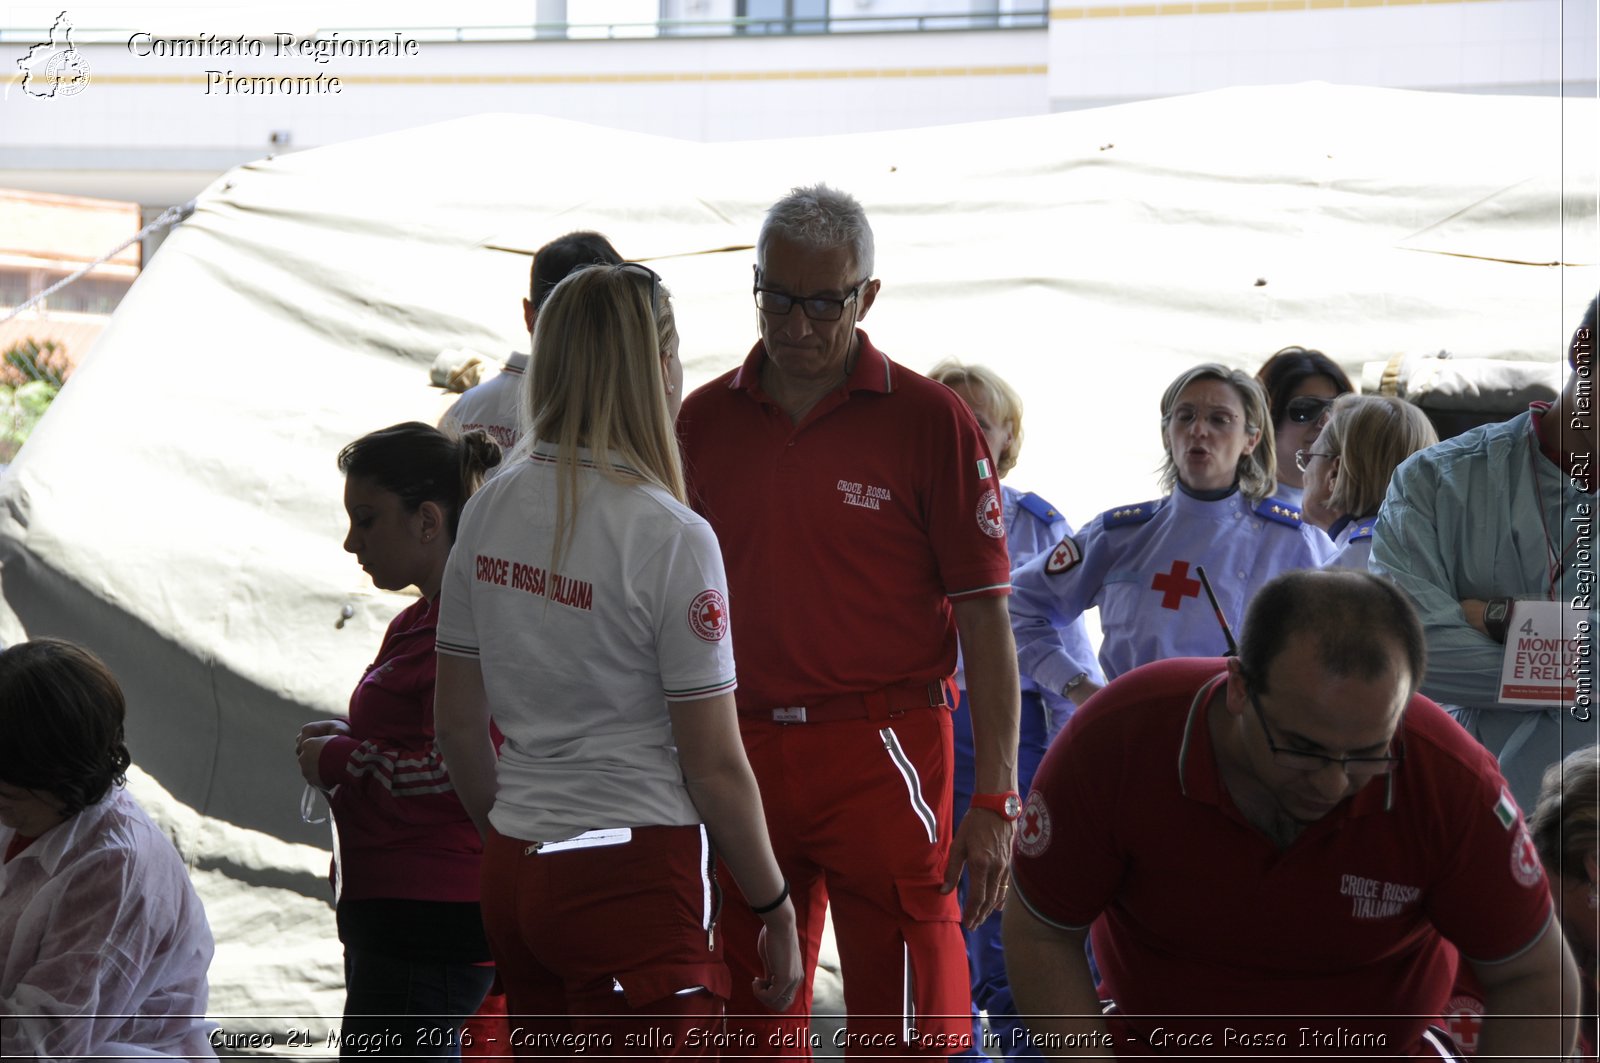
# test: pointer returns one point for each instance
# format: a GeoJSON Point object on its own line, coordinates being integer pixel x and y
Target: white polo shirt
{"type": "Point", "coordinates": [494, 406]}
{"type": "Point", "coordinates": [579, 664]}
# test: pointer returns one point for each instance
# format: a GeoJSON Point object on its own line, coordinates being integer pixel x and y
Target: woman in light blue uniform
{"type": "Point", "coordinates": [1138, 563]}
{"type": "Point", "coordinates": [1347, 469]}
{"type": "Point", "coordinates": [1033, 526]}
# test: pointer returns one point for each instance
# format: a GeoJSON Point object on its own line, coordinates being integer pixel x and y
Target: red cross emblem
{"type": "Point", "coordinates": [1063, 557]}
{"type": "Point", "coordinates": [1462, 1017]}
{"type": "Point", "coordinates": [708, 615]}
{"type": "Point", "coordinates": [1176, 585]}
{"type": "Point", "coordinates": [1033, 833]}
{"type": "Point", "coordinates": [989, 514]}
{"type": "Point", "coordinates": [1525, 865]}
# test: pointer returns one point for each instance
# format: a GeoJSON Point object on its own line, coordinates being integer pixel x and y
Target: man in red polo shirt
{"type": "Point", "coordinates": [1282, 853]}
{"type": "Point", "coordinates": [860, 521]}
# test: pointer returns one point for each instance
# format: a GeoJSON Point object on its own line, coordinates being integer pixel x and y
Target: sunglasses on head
{"type": "Point", "coordinates": [1306, 408]}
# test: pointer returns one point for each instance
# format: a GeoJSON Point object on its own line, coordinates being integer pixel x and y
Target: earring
{"type": "Point", "coordinates": [427, 537]}
{"type": "Point", "coordinates": [672, 389]}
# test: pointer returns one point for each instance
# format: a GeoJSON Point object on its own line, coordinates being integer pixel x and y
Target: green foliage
{"type": "Point", "coordinates": [31, 374]}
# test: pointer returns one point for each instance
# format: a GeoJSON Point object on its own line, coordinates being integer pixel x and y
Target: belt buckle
{"type": "Point", "coordinates": [789, 714]}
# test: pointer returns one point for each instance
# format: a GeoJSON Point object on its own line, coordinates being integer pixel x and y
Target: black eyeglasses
{"type": "Point", "coordinates": [815, 307]}
{"type": "Point", "coordinates": [1304, 409]}
{"type": "Point", "coordinates": [644, 271]}
{"type": "Point", "coordinates": [1302, 458]}
{"type": "Point", "coordinates": [1295, 760]}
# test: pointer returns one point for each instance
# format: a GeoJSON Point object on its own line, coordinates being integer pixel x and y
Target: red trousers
{"type": "Point", "coordinates": [859, 814]}
{"type": "Point", "coordinates": [608, 949]}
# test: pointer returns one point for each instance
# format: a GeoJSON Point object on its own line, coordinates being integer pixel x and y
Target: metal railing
{"type": "Point", "coordinates": [788, 25]}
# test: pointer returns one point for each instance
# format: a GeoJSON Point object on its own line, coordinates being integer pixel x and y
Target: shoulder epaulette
{"type": "Point", "coordinates": [1363, 529]}
{"type": "Point", "coordinates": [1276, 509]}
{"type": "Point", "coordinates": [1039, 508]}
{"type": "Point", "coordinates": [1126, 516]}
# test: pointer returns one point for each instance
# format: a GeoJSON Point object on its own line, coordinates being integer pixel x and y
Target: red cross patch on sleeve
{"type": "Point", "coordinates": [1064, 557]}
{"type": "Point", "coordinates": [990, 514]}
{"type": "Point", "coordinates": [1525, 865]}
{"type": "Point", "coordinates": [1033, 832]}
{"type": "Point", "coordinates": [708, 615]}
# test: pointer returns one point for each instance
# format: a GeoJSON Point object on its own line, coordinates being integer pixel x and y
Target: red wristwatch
{"type": "Point", "coordinates": [1007, 805]}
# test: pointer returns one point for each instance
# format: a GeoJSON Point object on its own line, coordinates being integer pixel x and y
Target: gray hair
{"type": "Point", "coordinates": [820, 217]}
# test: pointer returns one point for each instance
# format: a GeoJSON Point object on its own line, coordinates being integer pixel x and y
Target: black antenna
{"type": "Point", "coordinates": [1227, 632]}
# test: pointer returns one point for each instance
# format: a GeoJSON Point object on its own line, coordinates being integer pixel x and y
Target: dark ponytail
{"type": "Point", "coordinates": [422, 464]}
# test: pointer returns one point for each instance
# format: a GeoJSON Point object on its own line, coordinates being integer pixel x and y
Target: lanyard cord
{"type": "Point", "coordinates": [1555, 563]}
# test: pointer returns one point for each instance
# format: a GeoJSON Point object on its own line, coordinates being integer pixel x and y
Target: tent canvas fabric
{"type": "Point", "coordinates": [179, 509]}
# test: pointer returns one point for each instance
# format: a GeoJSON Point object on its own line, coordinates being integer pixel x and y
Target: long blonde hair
{"type": "Point", "coordinates": [595, 381]}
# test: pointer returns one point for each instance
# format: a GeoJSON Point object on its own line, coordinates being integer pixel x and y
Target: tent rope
{"type": "Point", "coordinates": [168, 217]}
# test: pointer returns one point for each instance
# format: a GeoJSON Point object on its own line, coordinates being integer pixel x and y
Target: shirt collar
{"type": "Point", "coordinates": [543, 452]}
{"type": "Point", "coordinates": [1213, 495]}
{"type": "Point", "coordinates": [873, 371]}
{"type": "Point", "coordinates": [1184, 502]}
{"type": "Point", "coordinates": [1197, 761]}
{"type": "Point", "coordinates": [56, 843]}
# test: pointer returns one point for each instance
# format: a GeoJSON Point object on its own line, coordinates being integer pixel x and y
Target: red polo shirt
{"type": "Point", "coordinates": [845, 536]}
{"type": "Point", "coordinates": [1198, 913]}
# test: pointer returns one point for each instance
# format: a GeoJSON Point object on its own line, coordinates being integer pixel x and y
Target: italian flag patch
{"type": "Point", "coordinates": [983, 468]}
{"type": "Point", "coordinates": [1505, 810]}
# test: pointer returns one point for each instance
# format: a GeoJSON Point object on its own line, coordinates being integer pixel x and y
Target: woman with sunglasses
{"type": "Point", "coordinates": [585, 610]}
{"type": "Point", "coordinates": [1347, 470]}
{"type": "Point", "coordinates": [1301, 385]}
{"type": "Point", "coordinates": [1140, 563]}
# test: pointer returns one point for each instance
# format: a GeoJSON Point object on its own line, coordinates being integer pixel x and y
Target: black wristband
{"type": "Point", "coordinates": [1497, 617]}
{"type": "Point", "coordinates": [783, 895]}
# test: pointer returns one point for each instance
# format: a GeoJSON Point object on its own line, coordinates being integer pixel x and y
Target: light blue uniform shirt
{"type": "Point", "coordinates": [1478, 516]}
{"type": "Point", "coordinates": [1031, 529]}
{"type": "Point", "coordinates": [1137, 564]}
{"type": "Point", "coordinates": [1352, 542]}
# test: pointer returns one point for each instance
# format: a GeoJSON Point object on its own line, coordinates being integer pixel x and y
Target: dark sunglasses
{"type": "Point", "coordinates": [1306, 408]}
{"type": "Point", "coordinates": [645, 273]}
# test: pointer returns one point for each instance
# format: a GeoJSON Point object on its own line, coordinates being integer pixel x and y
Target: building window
{"type": "Point", "coordinates": [765, 17]}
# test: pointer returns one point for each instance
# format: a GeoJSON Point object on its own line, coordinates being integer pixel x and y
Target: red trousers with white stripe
{"type": "Point", "coordinates": [859, 814]}
{"type": "Point", "coordinates": [608, 950]}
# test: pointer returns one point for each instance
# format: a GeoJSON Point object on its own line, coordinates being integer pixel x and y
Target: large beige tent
{"type": "Point", "coordinates": [179, 510]}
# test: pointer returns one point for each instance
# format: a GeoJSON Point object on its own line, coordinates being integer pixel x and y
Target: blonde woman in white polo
{"type": "Point", "coordinates": [585, 610]}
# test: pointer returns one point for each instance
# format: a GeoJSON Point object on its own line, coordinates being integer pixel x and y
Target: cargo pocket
{"type": "Point", "coordinates": [937, 992]}
{"type": "Point", "coordinates": [651, 985]}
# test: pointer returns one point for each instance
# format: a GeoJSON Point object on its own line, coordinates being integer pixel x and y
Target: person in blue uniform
{"type": "Point", "coordinates": [1032, 526]}
{"type": "Point", "coordinates": [1348, 470]}
{"type": "Point", "coordinates": [1137, 563]}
